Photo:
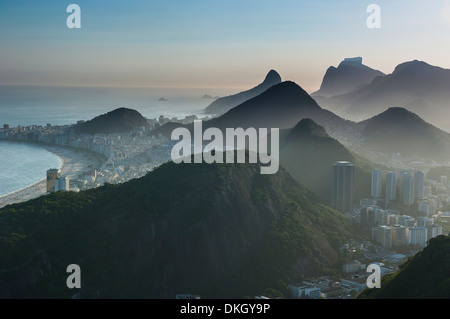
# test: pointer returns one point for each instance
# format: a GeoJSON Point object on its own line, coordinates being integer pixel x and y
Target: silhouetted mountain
{"type": "Point", "coordinates": [306, 128]}
{"type": "Point", "coordinates": [222, 105]}
{"type": "Point", "coordinates": [281, 106]}
{"type": "Point", "coordinates": [308, 153]}
{"type": "Point", "coordinates": [209, 97]}
{"type": "Point", "coordinates": [117, 121]}
{"type": "Point", "coordinates": [415, 85]}
{"type": "Point", "coordinates": [349, 75]}
{"type": "Point", "coordinates": [218, 230]}
{"type": "Point", "coordinates": [398, 130]}
{"type": "Point", "coordinates": [425, 276]}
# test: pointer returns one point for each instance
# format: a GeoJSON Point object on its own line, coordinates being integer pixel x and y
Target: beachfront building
{"type": "Point", "coordinates": [56, 182]}
{"type": "Point", "coordinates": [52, 175]}
{"type": "Point", "coordinates": [62, 184]}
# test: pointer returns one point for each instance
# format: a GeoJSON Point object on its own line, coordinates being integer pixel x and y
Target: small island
{"type": "Point", "coordinates": [209, 97]}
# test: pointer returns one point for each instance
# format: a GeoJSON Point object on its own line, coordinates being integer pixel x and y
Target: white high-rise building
{"type": "Point", "coordinates": [418, 235]}
{"type": "Point", "coordinates": [382, 217]}
{"type": "Point", "coordinates": [392, 219]}
{"type": "Point", "coordinates": [406, 221]}
{"type": "Point", "coordinates": [436, 230]}
{"type": "Point", "coordinates": [52, 175]}
{"type": "Point", "coordinates": [383, 236]}
{"type": "Point", "coordinates": [62, 184]}
{"type": "Point", "coordinates": [376, 183]}
{"type": "Point", "coordinates": [391, 190]}
{"type": "Point", "coordinates": [399, 235]}
{"type": "Point", "coordinates": [425, 207]}
{"type": "Point", "coordinates": [407, 191]}
{"type": "Point", "coordinates": [444, 181]}
{"type": "Point", "coordinates": [425, 221]}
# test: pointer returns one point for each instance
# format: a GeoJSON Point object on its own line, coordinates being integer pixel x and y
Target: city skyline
{"type": "Point", "coordinates": [199, 44]}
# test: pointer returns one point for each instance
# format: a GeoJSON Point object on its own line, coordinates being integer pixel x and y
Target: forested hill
{"type": "Point", "coordinates": [218, 230]}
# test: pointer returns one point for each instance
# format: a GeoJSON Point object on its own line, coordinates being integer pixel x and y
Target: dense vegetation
{"type": "Point", "coordinates": [390, 132]}
{"type": "Point", "coordinates": [217, 230]}
{"type": "Point", "coordinates": [308, 153]}
{"type": "Point", "coordinates": [117, 121]}
{"type": "Point", "coordinates": [424, 276]}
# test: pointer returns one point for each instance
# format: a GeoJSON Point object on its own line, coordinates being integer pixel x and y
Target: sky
{"type": "Point", "coordinates": [212, 43]}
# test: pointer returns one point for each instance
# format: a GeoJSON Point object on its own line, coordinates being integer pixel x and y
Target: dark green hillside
{"type": "Point", "coordinates": [308, 153]}
{"type": "Point", "coordinates": [398, 130]}
{"type": "Point", "coordinates": [216, 230]}
{"type": "Point", "coordinates": [426, 275]}
{"type": "Point", "coordinates": [117, 121]}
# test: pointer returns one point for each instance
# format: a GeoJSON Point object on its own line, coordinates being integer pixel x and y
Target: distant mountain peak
{"type": "Point", "coordinates": [397, 116]}
{"type": "Point", "coordinates": [398, 110]}
{"type": "Point", "coordinates": [356, 60]}
{"type": "Point", "coordinates": [281, 106]}
{"type": "Point", "coordinates": [397, 113]}
{"type": "Point", "coordinates": [272, 77]}
{"type": "Point", "coordinates": [116, 121]}
{"type": "Point", "coordinates": [413, 66]}
{"type": "Point", "coordinates": [224, 104]}
{"type": "Point", "coordinates": [289, 86]}
{"type": "Point", "coordinates": [290, 91]}
{"type": "Point", "coordinates": [398, 130]}
{"type": "Point", "coordinates": [349, 75]}
{"type": "Point", "coordinates": [416, 85]}
{"type": "Point", "coordinates": [306, 128]}
{"type": "Point", "coordinates": [293, 87]}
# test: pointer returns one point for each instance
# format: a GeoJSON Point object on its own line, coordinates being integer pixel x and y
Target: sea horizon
{"type": "Point", "coordinates": [65, 105]}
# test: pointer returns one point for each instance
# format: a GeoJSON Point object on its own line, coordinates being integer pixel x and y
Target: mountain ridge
{"type": "Point", "coordinates": [218, 230]}
{"type": "Point", "coordinates": [390, 132]}
{"type": "Point", "coordinates": [415, 85]}
{"type": "Point", "coordinates": [119, 120]}
{"type": "Point", "coordinates": [424, 276]}
{"type": "Point", "coordinates": [349, 75]}
{"type": "Point", "coordinates": [224, 104]}
{"type": "Point", "coordinates": [308, 154]}
{"type": "Point", "coordinates": [281, 106]}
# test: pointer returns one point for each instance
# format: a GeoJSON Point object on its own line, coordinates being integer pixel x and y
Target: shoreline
{"type": "Point", "coordinates": [73, 165]}
{"type": "Point", "coordinates": [15, 192]}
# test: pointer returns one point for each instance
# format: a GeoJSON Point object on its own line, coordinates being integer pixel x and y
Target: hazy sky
{"type": "Point", "coordinates": [212, 43]}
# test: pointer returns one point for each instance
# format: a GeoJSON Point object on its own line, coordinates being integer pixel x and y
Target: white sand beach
{"type": "Point", "coordinates": [74, 164]}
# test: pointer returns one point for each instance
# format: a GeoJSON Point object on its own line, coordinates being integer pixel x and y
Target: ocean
{"type": "Point", "coordinates": [22, 165]}
{"type": "Point", "coordinates": [21, 105]}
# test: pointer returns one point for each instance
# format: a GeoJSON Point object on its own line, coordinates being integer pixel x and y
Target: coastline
{"type": "Point", "coordinates": [74, 164]}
